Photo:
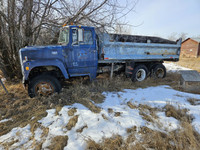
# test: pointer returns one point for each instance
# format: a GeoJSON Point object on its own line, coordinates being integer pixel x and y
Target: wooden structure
{"type": "Point", "coordinates": [190, 48]}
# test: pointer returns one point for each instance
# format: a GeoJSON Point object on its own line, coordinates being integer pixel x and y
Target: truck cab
{"type": "Point", "coordinates": [43, 67]}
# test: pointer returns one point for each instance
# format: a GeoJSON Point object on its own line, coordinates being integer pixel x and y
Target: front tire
{"type": "Point", "coordinates": [139, 73]}
{"type": "Point", "coordinates": [43, 85]}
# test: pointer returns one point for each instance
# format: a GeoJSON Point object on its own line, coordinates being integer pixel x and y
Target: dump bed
{"type": "Point", "coordinates": [138, 48]}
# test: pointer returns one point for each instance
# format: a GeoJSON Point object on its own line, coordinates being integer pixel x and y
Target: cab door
{"type": "Point", "coordinates": [85, 52]}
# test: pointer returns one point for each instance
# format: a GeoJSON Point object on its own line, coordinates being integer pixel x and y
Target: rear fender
{"type": "Point", "coordinates": [42, 63]}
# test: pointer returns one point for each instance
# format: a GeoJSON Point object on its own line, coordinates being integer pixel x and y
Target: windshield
{"type": "Point", "coordinates": [64, 36]}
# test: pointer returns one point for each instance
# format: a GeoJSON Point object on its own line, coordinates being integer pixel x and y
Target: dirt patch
{"type": "Point", "coordinates": [58, 143]}
{"type": "Point", "coordinates": [72, 122]}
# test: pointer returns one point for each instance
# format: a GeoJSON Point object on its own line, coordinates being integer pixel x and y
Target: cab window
{"type": "Point", "coordinates": [74, 36]}
{"type": "Point", "coordinates": [87, 37]}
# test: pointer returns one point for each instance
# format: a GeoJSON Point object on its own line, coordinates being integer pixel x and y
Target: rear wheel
{"type": "Point", "coordinates": [159, 71]}
{"type": "Point", "coordinates": [43, 85]}
{"type": "Point", "coordinates": [139, 73]}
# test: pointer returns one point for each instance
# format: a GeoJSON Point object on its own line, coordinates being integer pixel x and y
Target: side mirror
{"type": "Point", "coordinates": [80, 35]}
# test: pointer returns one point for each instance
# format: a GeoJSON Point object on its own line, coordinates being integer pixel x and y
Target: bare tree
{"type": "Point", "coordinates": [174, 36]}
{"type": "Point", "coordinates": [32, 22]}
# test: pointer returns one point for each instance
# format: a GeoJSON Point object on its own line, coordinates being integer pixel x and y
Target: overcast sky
{"type": "Point", "coordinates": [163, 17]}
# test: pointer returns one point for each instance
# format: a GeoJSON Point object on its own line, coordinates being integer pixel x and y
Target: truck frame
{"type": "Point", "coordinates": [82, 51]}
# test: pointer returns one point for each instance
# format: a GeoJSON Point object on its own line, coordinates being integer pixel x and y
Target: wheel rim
{"type": "Point", "coordinates": [44, 89]}
{"type": "Point", "coordinates": [141, 75]}
{"type": "Point", "coordinates": [160, 73]}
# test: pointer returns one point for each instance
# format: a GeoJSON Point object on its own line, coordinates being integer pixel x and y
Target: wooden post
{"type": "Point", "coordinates": [111, 72]}
{"type": "Point", "coordinates": [4, 86]}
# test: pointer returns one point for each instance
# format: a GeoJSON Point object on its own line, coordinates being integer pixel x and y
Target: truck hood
{"type": "Point", "coordinates": [42, 52]}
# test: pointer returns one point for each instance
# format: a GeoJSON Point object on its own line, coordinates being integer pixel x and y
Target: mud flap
{"type": "Point", "coordinates": [129, 68]}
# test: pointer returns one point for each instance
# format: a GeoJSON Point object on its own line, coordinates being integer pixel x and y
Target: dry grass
{"type": "Point", "coordinates": [131, 130]}
{"type": "Point", "coordinates": [81, 129]}
{"type": "Point", "coordinates": [104, 117]}
{"type": "Point", "coordinates": [192, 63]}
{"type": "Point", "coordinates": [58, 143]}
{"type": "Point", "coordinates": [113, 143]}
{"type": "Point", "coordinates": [179, 114]}
{"type": "Point", "coordinates": [117, 114]}
{"type": "Point", "coordinates": [72, 111]}
{"type": "Point", "coordinates": [58, 109]}
{"type": "Point", "coordinates": [148, 113]}
{"type": "Point", "coordinates": [72, 122]}
{"type": "Point", "coordinates": [185, 138]}
{"type": "Point", "coordinates": [18, 106]}
{"type": "Point", "coordinates": [194, 101]}
{"type": "Point", "coordinates": [130, 105]}
{"type": "Point", "coordinates": [110, 110]}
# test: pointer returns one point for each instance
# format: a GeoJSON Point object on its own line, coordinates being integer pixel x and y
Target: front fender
{"type": "Point", "coordinates": [41, 63]}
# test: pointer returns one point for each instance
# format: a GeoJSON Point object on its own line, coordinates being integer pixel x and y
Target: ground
{"type": "Point", "coordinates": [105, 114]}
{"type": "Point", "coordinates": [193, 63]}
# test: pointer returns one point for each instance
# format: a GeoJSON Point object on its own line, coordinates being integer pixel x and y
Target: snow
{"type": "Point", "coordinates": [22, 135]}
{"type": "Point", "coordinates": [5, 120]}
{"type": "Point", "coordinates": [98, 127]}
{"type": "Point", "coordinates": [171, 67]}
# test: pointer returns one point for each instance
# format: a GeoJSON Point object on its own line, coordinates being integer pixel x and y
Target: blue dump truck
{"type": "Point", "coordinates": [82, 51]}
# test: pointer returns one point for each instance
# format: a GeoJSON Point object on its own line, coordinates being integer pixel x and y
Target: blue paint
{"type": "Point", "coordinates": [72, 60]}
{"type": "Point", "coordinates": [81, 58]}
{"type": "Point", "coordinates": [139, 51]}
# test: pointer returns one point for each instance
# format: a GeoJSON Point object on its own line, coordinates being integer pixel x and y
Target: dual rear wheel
{"type": "Point", "coordinates": [141, 72]}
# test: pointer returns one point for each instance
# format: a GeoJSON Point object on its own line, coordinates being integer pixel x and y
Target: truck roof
{"type": "Point", "coordinates": [78, 26]}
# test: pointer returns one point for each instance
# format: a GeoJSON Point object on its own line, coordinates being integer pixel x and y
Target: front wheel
{"type": "Point", "coordinates": [139, 73]}
{"type": "Point", "coordinates": [43, 85]}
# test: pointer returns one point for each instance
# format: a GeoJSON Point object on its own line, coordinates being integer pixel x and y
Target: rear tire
{"type": "Point", "coordinates": [139, 73]}
{"type": "Point", "coordinates": [43, 85]}
{"type": "Point", "coordinates": [159, 71]}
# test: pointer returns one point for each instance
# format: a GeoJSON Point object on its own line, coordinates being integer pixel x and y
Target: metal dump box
{"type": "Point", "coordinates": [128, 47]}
